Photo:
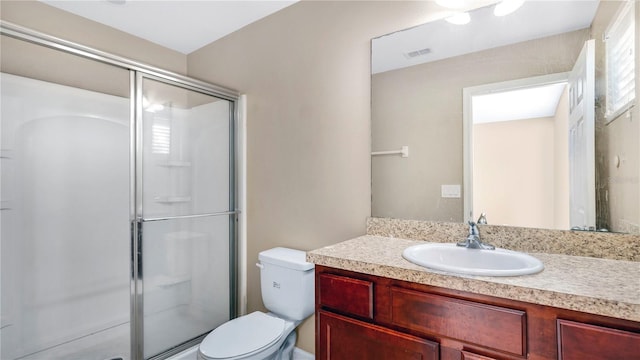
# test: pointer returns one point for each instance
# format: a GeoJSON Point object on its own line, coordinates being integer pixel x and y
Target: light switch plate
{"type": "Point", "coordinates": [451, 191]}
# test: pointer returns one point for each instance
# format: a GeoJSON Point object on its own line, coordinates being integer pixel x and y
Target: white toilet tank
{"type": "Point", "coordinates": [287, 283]}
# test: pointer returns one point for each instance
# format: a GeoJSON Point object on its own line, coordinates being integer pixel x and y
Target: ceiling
{"type": "Point", "coordinates": [517, 104]}
{"type": "Point", "coordinates": [183, 26]}
{"type": "Point", "coordinates": [439, 39]}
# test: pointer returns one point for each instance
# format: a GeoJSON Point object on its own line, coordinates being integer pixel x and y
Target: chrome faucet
{"type": "Point", "coordinates": [473, 240]}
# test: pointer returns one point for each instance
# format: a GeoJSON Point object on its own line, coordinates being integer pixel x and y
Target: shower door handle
{"type": "Point", "coordinates": [136, 248]}
{"type": "Point", "coordinates": [136, 257]}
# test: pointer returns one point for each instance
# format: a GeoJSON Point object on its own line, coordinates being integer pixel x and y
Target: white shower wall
{"type": "Point", "coordinates": [186, 170]}
{"type": "Point", "coordinates": [65, 237]}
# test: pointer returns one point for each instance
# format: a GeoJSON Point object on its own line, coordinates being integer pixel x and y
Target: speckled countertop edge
{"type": "Point", "coordinates": [597, 286]}
{"type": "Point", "coordinates": [605, 245]}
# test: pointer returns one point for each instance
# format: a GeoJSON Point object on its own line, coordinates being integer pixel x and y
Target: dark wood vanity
{"type": "Point", "coordinates": [361, 316]}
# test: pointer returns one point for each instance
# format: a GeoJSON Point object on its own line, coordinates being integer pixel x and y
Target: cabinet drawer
{"type": "Point", "coordinates": [489, 326]}
{"type": "Point", "coordinates": [342, 338]}
{"type": "Point", "coordinates": [346, 295]}
{"type": "Point", "coordinates": [471, 356]}
{"type": "Point", "coordinates": [577, 341]}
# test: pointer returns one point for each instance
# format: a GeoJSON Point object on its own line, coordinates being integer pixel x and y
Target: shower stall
{"type": "Point", "coordinates": [118, 221]}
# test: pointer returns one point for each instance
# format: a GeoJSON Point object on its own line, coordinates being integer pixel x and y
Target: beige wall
{"type": "Point", "coordinates": [516, 157]}
{"type": "Point", "coordinates": [306, 71]}
{"type": "Point", "coordinates": [617, 187]}
{"type": "Point", "coordinates": [421, 106]}
{"type": "Point", "coordinates": [528, 161]}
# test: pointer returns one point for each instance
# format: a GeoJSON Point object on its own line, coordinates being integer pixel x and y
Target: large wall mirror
{"type": "Point", "coordinates": [527, 117]}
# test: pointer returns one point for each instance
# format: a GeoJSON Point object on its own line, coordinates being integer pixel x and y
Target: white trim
{"type": "Point", "coordinates": [467, 125]}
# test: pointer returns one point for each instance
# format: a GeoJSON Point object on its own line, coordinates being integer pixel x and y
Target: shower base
{"type": "Point", "coordinates": [112, 343]}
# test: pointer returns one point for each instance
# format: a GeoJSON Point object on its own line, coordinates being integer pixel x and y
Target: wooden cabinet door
{"type": "Point", "coordinates": [492, 327]}
{"type": "Point", "coordinates": [471, 356]}
{"type": "Point", "coordinates": [578, 341]}
{"type": "Point", "coordinates": [342, 338]}
{"type": "Point", "coordinates": [345, 295]}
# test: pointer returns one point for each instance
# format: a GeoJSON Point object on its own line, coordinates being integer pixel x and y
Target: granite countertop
{"type": "Point", "coordinates": [593, 285]}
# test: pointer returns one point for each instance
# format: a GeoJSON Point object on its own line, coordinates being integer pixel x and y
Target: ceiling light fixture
{"type": "Point", "coordinates": [506, 7]}
{"type": "Point", "coordinates": [459, 18]}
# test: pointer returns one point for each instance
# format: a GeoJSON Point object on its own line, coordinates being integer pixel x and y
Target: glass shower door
{"type": "Point", "coordinates": [186, 214]}
{"type": "Point", "coordinates": [64, 205]}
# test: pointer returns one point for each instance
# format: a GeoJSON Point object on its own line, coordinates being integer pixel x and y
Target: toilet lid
{"type": "Point", "coordinates": [242, 335]}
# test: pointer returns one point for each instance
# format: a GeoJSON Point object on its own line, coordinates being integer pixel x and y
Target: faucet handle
{"type": "Point", "coordinates": [482, 220]}
{"type": "Point", "coordinates": [473, 240]}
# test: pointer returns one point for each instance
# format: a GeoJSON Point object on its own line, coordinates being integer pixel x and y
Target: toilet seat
{"type": "Point", "coordinates": [242, 336]}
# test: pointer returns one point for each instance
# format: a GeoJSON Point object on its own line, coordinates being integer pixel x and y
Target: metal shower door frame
{"type": "Point", "coordinates": [138, 71]}
{"type": "Point", "coordinates": [138, 220]}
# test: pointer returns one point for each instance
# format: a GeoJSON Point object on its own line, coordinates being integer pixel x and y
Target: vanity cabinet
{"type": "Point", "coordinates": [578, 341]}
{"type": "Point", "coordinates": [349, 337]}
{"type": "Point", "coordinates": [360, 316]}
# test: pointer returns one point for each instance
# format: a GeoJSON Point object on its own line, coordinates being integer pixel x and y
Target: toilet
{"type": "Point", "coordinates": [287, 285]}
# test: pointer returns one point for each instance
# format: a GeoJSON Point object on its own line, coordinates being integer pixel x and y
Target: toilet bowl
{"type": "Point", "coordinates": [253, 336]}
{"type": "Point", "coordinates": [287, 285]}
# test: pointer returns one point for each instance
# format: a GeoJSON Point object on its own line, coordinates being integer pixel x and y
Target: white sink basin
{"type": "Point", "coordinates": [457, 259]}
